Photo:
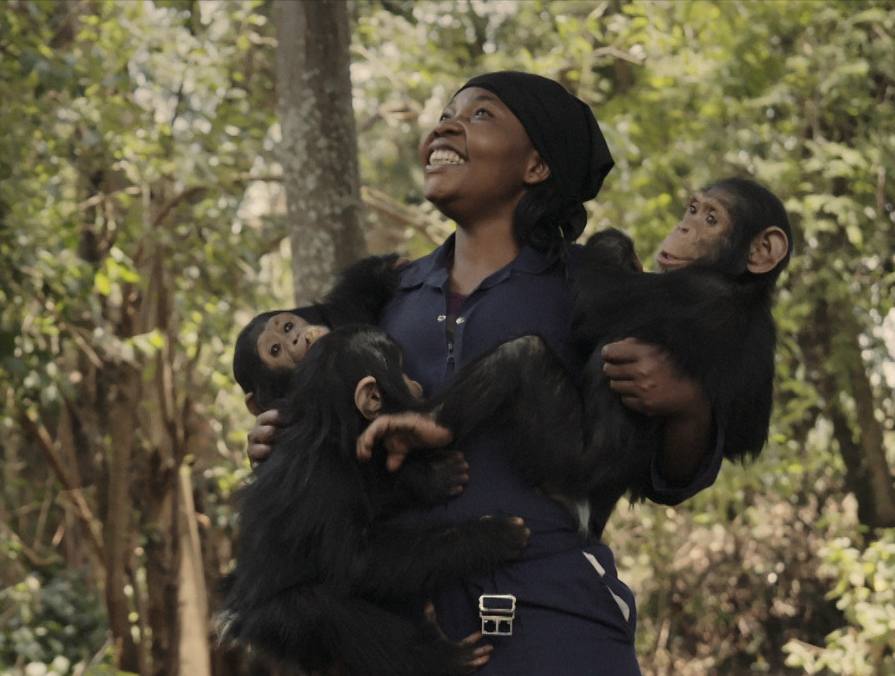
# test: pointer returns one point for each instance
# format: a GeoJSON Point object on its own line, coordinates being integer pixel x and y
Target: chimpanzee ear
{"type": "Point", "coordinates": [767, 249]}
{"type": "Point", "coordinates": [537, 170]}
{"type": "Point", "coordinates": [367, 397]}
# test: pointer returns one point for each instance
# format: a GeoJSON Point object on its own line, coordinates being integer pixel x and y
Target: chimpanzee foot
{"type": "Point", "coordinates": [504, 536]}
{"type": "Point", "coordinates": [449, 475]}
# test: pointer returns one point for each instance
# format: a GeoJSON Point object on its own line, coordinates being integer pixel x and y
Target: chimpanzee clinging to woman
{"type": "Point", "coordinates": [512, 160]}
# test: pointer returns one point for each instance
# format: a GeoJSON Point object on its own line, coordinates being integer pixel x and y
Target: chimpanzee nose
{"type": "Point", "coordinates": [313, 333]}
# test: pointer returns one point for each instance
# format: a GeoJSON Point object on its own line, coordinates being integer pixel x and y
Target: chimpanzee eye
{"type": "Point", "coordinates": [274, 349]}
{"type": "Point", "coordinates": [691, 207]}
{"type": "Point", "coordinates": [711, 219]}
{"type": "Point", "coordinates": [289, 326]}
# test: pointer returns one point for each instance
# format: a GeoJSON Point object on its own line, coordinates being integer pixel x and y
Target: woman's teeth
{"type": "Point", "coordinates": [444, 156]}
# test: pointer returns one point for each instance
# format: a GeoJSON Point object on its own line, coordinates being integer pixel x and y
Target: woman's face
{"type": "Point", "coordinates": [478, 158]}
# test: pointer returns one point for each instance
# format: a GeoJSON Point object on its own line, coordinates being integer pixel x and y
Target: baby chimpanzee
{"type": "Point", "coordinates": [273, 343]}
{"type": "Point", "coordinates": [317, 569]}
{"type": "Point", "coordinates": [710, 309]}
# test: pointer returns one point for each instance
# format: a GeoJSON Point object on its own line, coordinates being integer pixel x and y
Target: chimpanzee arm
{"type": "Point", "coordinates": [362, 291]}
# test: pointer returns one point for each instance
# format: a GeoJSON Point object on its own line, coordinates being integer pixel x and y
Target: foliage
{"type": "Point", "coordinates": [56, 622]}
{"type": "Point", "coordinates": [865, 591]}
{"type": "Point", "coordinates": [133, 240]}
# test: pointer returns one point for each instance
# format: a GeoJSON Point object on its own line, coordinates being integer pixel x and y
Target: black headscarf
{"type": "Point", "coordinates": [561, 127]}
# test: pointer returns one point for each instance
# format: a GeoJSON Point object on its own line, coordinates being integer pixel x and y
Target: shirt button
{"type": "Point", "coordinates": [441, 318]}
{"type": "Point", "coordinates": [460, 320]}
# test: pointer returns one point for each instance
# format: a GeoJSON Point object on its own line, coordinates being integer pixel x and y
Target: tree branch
{"type": "Point", "coordinates": [71, 492]}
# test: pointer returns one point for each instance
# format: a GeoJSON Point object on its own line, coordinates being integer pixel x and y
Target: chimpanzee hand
{"type": "Point", "coordinates": [400, 433]}
{"type": "Point", "coordinates": [432, 479]}
{"type": "Point", "coordinates": [476, 655]}
{"type": "Point", "coordinates": [648, 381]}
{"type": "Point", "coordinates": [262, 434]}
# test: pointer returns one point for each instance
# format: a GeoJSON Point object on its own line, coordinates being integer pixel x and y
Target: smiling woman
{"type": "Point", "coordinates": [512, 160]}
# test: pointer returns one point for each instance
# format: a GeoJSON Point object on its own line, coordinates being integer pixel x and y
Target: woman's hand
{"type": "Point", "coordinates": [400, 433]}
{"type": "Point", "coordinates": [647, 380]}
{"type": "Point", "coordinates": [262, 435]}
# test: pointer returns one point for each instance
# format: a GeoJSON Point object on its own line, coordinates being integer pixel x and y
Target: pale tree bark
{"type": "Point", "coordinates": [319, 142]}
{"type": "Point", "coordinates": [194, 650]}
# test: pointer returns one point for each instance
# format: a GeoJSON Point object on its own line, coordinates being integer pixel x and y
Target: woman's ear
{"type": "Point", "coordinates": [367, 397]}
{"type": "Point", "coordinates": [537, 170]}
{"type": "Point", "coordinates": [767, 249]}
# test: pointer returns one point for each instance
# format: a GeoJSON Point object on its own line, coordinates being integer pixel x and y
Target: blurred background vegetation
{"type": "Point", "coordinates": [143, 219]}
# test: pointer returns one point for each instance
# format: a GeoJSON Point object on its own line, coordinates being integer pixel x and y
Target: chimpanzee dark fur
{"type": "Point", "coordinates": [717, 327]}
{"type": "Point", "coordinates": [361, 292]}
{"type": "Point", "coordinates": [317, 569]}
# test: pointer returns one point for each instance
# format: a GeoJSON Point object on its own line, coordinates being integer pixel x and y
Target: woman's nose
{"type": "Point", "coordinates": [449, 125]}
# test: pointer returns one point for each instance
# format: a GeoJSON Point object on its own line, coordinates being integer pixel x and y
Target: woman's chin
{"type": "Point", "coordinates": [439, 192]}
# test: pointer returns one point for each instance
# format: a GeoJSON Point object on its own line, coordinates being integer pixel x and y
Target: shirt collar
{"type": "Point", "coordinates": [433, 269]}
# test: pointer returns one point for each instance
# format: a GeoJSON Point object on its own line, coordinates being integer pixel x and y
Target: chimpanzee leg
{"type": "Point", "coordinates": [401, 562]}
{"type": "Point", "coordinates": [318, 628]}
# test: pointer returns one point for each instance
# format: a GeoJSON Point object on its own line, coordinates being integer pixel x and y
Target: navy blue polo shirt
{"type": "Point", "coordinates": [529, 296]}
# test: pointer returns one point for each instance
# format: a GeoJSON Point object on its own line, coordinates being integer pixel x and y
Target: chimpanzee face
{"type": "Point", "coordinates": [285, 340]}
{"type": "Point", "coordinates": [701, 235]}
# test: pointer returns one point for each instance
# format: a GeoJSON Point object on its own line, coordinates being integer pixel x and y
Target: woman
{"type": "Point", "coordinates": [512, 160]}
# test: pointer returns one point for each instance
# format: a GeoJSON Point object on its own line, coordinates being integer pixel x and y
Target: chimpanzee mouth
{"type": "Point", "coordinates": [667, 260]}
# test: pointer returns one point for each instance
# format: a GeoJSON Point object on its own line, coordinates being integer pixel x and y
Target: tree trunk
{"type": "Point", "coordinates": [868, 474]}
{"type": "Point", "coordinates": [117, 528]}
{"type": "Point", "coordinates": [319, 143]}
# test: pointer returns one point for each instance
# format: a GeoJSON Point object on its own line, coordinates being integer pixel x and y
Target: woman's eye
{"type": "Point", "coordinates": [482, 112]}
{"type": "Point", "coordinates": [289, 326]}
{"type": "Point", "coordinates": [444, 116]}
{"type": "Point", "coordinates": [274, 349]}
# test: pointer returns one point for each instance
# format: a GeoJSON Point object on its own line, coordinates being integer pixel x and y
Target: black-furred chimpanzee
{"type": "Point", "coordinates": [710, 309]}
{"type": "Point", "coordinates": [318, 570]}
{"type": "Point", "coordinates": [273, 343]}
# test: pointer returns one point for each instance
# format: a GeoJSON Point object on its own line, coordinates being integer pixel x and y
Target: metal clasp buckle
{"type": "Point", "coordinates": [497, 612]}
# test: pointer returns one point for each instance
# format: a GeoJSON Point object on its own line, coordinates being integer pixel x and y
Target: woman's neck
{"type": "Point", "coordinates": [480, 252]}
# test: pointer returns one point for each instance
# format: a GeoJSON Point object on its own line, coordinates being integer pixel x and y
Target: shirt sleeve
{"type": "Point", "coordinates": [666, 492]}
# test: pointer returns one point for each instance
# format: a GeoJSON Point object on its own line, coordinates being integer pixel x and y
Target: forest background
{"type": "Point", "coordinates": [143, 220]}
